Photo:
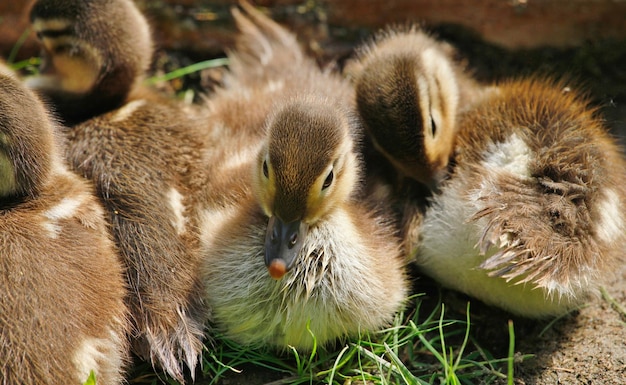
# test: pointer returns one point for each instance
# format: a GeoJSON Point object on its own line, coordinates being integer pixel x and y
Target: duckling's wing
{"type": "Point", "coordinates": [262, 47]}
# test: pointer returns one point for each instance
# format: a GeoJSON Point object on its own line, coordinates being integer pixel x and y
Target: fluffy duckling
{"type": "Point", "coordinates": [62, 311]}
{"type": "Point", "coordinates": [532, 216]}
{"type": "Point", "coordinates": [141, 158]}
{"type": "Point", "coordinates": [94, 53]}
{"type": "Point", "coordinates": [409, 92]}
{"type": "Point", "coordinates": [292, 249]}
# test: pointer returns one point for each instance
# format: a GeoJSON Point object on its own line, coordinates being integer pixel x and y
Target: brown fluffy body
{"type": "Point", "coordinates": [62, 310]}
{"type": "Point", "coordinates": [279, 109]}
{"type": "Point", "coordinates": [410, 90]}
{"type": "Point", "coordinates": [537, 189]}
{"type": "Point", "coordinates": [141, 152]}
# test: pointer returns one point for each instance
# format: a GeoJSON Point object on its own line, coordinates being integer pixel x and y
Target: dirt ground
{"type": "Point", "coordinates": [586, 347]}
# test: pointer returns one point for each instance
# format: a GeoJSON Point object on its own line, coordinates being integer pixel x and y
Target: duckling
{"type": "Point", "coordinates": [409, 92]}
{"type": "Point", "coordinates": [532, 217]}
{"type": "Point", "coordinates": [141, 158]}
{"type": "Point", "coordinates": [294, 253]}
{"type": "Point", "coordinates": [62, 310]}
{"type": "Point", "coordinates": [94, 54]}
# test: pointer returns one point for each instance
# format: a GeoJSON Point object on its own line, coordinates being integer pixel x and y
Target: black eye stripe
{"type": "Point", "coordinates": [433, 127]}
{"type": "Point", "coordinates": [329, 180]}
{"type": "Point", "coordinates": [266, 171]}
{"type": "Point", "coordinates": [55, 33]}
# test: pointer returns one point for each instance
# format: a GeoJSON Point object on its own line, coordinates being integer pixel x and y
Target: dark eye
{"type": "Point", "coordinates": [328, 181]}
{"type": "Point", "coordinates": [265, 170]}
{"type": "Point", "coordinates": [433, 127]}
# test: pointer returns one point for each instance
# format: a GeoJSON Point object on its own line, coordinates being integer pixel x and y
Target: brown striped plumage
{"type": "Point", "coordinates": [141, 152]}
{"type": "Point", "coordinates": [62, 311]}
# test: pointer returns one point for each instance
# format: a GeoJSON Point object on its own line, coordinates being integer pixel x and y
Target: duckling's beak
{"type": "Point", "coordinates": [283, 242]}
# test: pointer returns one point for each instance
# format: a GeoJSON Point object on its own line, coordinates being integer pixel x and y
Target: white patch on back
{"type": "Point", "coordinates": [127, 111]}
{"type": "Point", "coordinates": [65, 209]}
{"type": "Point", "coordinates": [94, 350]}
{"type": "Point", "coordinates": [611, 224]}
{"type": "Point", "coordinates": [212, 221]}
{"type": "Point", "coordinates": [512, 155]}
{"type": "Point", "coordinates": [274, 85]}
{"type": "Point", "coordinates": [242, 157]}
{"type": "Point", "coordinates": [175, 199]}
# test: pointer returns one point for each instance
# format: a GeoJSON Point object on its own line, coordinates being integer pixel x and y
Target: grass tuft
{"type": "Point", "coordinates": [414, 350]}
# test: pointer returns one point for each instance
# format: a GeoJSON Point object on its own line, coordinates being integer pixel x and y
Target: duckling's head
{"type": "Point", "coordinates": [26, 140]}
{"type": "Point", "coordinates": [95, 48]}
{"type": "Point", "coordinates": [306, 169]}
{"type": "Point", "coordinates": [407, 96]}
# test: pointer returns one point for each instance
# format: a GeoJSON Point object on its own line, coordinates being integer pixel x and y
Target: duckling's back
{"type": "Point", "coordinates": [535, 202]}
{"type": "Point", "coordinates": [62, 311]}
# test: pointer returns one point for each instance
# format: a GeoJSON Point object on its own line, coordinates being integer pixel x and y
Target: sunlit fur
{"type": "Point", "coordinates": [94, 54]}
{"type": "Point", "coordinates": [278, 107]}
{"type": "Point", "coordinates": [409, 92]}
{"type": "Point", "coordinates": [141, 152]}
{"type": "Point", "coordinates": [297, 172]}
{"type": "Point", "coordinates": [532, 218]}
{"type": "Point", "coordinates": [62, 311]}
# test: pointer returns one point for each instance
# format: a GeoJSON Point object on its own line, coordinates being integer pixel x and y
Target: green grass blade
{"type": "Point", "coordinates": [183, 71]}
{"type": "Point", "coordinates": [91, 380]}
{"type": "Point", "coordinates": [18, 44]}
{"type": "Point", "coordinates": [336, 364]}
{"type": "Point", "coordinates": [405, 373]}
{"type": "Point", "coordinates": [465, 339]}
{"type": "Point", "coordinates": [510, 376]}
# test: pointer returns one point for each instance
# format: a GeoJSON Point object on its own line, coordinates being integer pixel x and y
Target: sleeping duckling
{"type": "Point", "coordinates": [94, 54]}
{"type": "Point", "coordinates": [141, 157]}
{"type": "Point", "coordinates": [532, 216]}
{"type": "Point", "coordinates": [62, 311]}
{"type": "Point", "coordinates": [293, 252]}
{"type": "Point", "coordinates": [409, 92]}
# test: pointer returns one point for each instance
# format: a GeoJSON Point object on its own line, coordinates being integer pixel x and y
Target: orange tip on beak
{"type": "Point", "coordinates": [277, 269]}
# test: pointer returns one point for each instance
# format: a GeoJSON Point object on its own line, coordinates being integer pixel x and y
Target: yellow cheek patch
{"type": "Point", "coordinates": [77, 75]}
{"type": "Point", "coordinates": [265, 187]}
{"type": "Point", "coordinates": [317, 198]}
{"type": "Point", "coordinates": [7, 175]}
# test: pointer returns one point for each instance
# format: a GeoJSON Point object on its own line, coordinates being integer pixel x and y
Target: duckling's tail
{"type": "Point", "coordinates": [263, 47]}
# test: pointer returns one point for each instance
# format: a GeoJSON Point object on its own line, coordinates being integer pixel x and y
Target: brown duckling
{"type": "Point", "coordinates": [409, 92]}
{"type": "Point", "coordinates": [62, 310]}
{"type": "Point", "coordinates": [294, 253]}
{"type": "Point", "coordinates": [141, 157]}
{"type": "Point", "coordinates": [532, 217]}
{"type": "Point", "coordinates": [94, 54]}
